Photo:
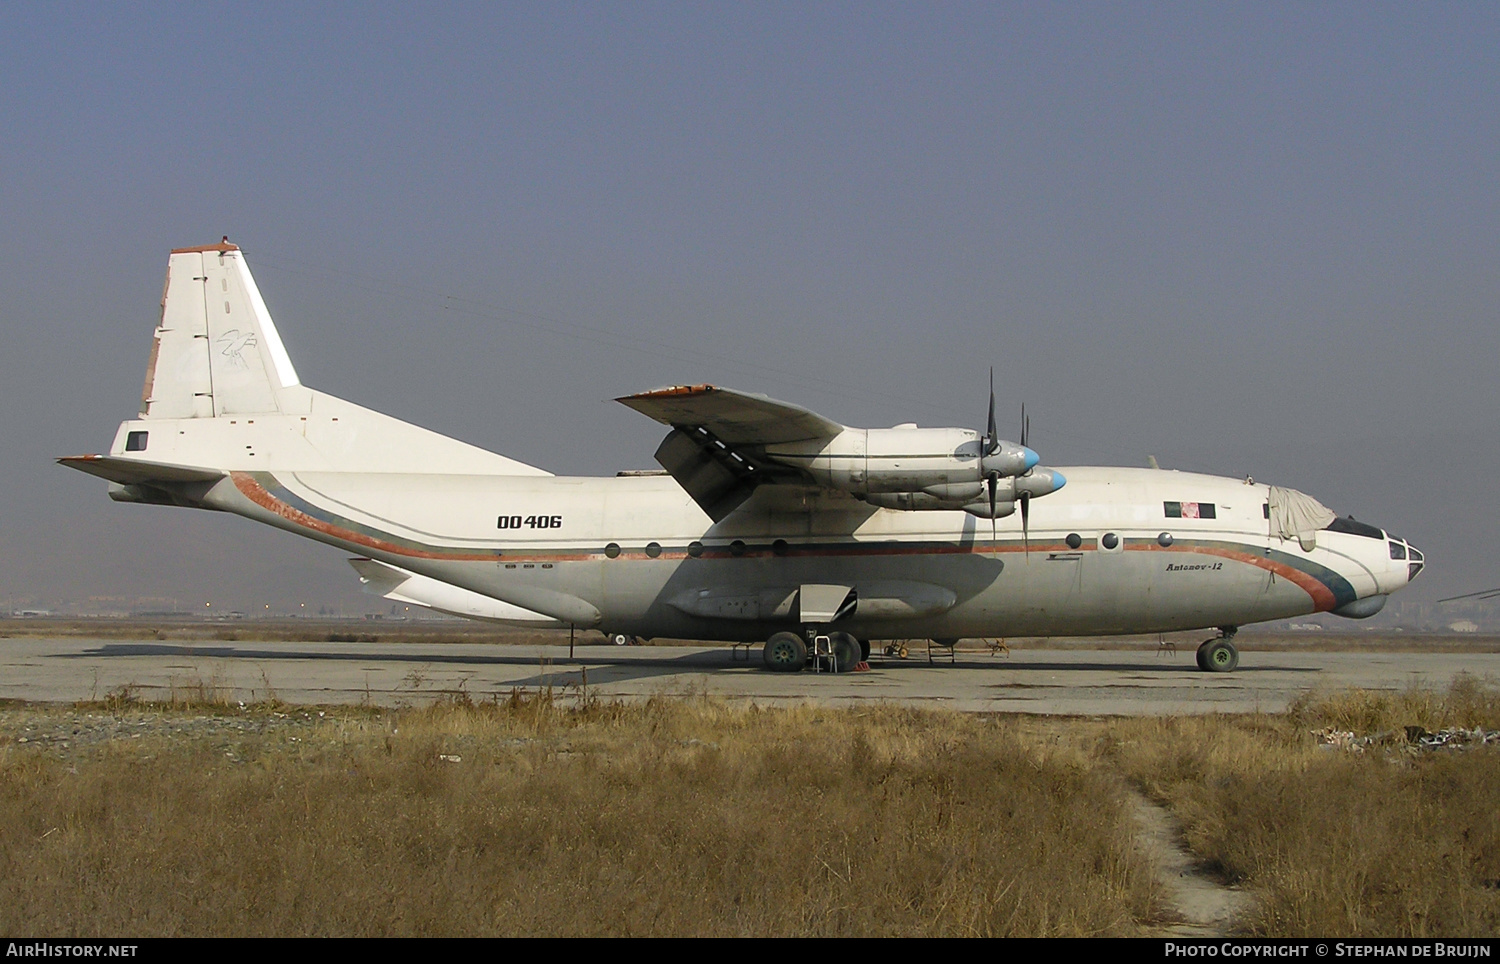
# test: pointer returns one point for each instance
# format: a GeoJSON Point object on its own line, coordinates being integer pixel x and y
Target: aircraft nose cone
{"type": "Point", "coordinates": [1031, 457]}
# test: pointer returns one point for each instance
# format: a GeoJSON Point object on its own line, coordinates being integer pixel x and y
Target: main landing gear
{"type": "Point", "coordinates": [1218, 655]}
{"type": "Point", "coordinates": [788, 652]}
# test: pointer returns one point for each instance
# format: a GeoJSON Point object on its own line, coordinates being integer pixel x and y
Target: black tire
{"type": "Point", "coordinates": [1220, 656]}
{"type": "Point", "coordinates": [846, 652]}
{"type": "Point", "coordinates": [785, 653]}
{"type": "Point", "coordinates": [1203, 648]}
{"type": "Point", "coordinates": [864, 650]}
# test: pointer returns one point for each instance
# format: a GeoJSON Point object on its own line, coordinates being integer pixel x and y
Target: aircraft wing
{"type": "Point", "coordinates": [717, 433]}
{"type": "Point", "coordinates": [732, 417]}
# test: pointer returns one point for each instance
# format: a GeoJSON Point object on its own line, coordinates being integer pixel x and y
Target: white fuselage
{"type": "Point", "coordinates": [637, 555]}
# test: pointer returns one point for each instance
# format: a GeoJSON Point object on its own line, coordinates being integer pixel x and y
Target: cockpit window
{"type": "Point", "coordinates": [136, 441]}
{"type": "Point", "coordinates": [1190, 510]}
{"type": "Point", "coordinates": [1398, 551]}
{"type": "Point", "coordinates": [1347, 524]}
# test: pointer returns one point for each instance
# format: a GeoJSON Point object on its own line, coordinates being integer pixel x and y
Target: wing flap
{"type": "Point", "coordinates": [715, 481]}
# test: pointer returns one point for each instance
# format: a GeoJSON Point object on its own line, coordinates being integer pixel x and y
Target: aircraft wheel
{"type": "Point", "coordinates": [785, 653]}
{"type": "Point", "coordinates": [846, 652]}
{"type": "Point", "coordinates": [620, 639]}
{"type": "Point", "coordinates": [1202, 649]}
{"type": "Point", "coordinates": [864, 650]}
{"type": "Point", "coordinates": [1220, 656]}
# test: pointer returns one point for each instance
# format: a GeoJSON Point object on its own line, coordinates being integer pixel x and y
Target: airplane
{"type": "Point", "coordinates": [768, 522]}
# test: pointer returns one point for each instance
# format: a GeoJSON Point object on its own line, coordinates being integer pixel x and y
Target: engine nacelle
{"type": "Point", "coordinates": [946, 465]}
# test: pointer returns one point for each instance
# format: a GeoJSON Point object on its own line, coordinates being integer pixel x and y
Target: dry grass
{"type": "Point", "coordinates": [1467, 703]}
{"type": "Point", "coordinates": [674, 817]}
{"type": "Point", "coordinates": [1390, 841]}
{"type": "Point", "coordinates": [696, 816]}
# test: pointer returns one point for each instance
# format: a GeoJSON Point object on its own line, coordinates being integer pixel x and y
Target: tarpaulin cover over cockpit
{"type": "Point", "coordinates": [1297, 515]}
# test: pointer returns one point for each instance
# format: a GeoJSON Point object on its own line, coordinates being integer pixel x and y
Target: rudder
{"type": "Point", "coordinates": [216, 350]}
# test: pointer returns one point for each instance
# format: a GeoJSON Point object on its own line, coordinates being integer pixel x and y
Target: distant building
{"type": "Point", "coordinates": [1464, 626]}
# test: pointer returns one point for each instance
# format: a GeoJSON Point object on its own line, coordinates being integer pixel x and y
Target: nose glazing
{"type": "Point", "coordinates": [1414, 562]}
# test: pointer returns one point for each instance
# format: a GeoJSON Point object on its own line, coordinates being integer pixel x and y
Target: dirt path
{"type": "Point", "coordinates": [1202, 906]}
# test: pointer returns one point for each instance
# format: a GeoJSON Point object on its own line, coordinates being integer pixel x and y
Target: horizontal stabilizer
{"type": "Point", "coordinates": [138, 471]}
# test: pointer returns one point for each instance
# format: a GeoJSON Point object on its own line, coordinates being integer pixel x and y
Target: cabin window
{"type": "Point", "coordinates": [1164, 540]}
{"type": "Point", "coordinates": [1074, 540]}
{"type": "Point", "coordinates": [779, 547]}
{"type": "Point", "coordinates": [1109, 540]}
{"type": "Point", "coordinates": [695, 549]}
{"type": "Point", "coordinates": [1194, 510]}
{"type": "Point", "coordinates": [136, 441]}
{"type": "Point", "coordinates": [653, 549]}
{"type": "Point", "coordinates": [612, 550]}
{"type": "Point", "coordinates": [737, 548]}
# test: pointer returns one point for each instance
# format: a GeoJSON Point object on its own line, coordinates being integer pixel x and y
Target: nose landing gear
{"type": "Point", "coordinates": [1219, 655]}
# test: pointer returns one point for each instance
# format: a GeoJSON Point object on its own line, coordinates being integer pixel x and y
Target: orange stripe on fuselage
{"type": "Point", "coordinates": [1321, 595]}
{"type": "Point", "coordinates": [258, 494]}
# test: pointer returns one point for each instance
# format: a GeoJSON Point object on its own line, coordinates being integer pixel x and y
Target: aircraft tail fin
{"type": "Point", "coordinates": [216, 350]}
{"type": "Point", "coordinates": [216, 353]}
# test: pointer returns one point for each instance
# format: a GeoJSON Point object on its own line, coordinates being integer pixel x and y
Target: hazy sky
{"type": "Point", "coordinates": [1248, 239]}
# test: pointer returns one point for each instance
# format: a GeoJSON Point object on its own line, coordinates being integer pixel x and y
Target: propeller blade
{"type": "Point", "coordinates": [991, 434]}
{"type": "Point", "coordinates": [994, 481]}
{"type": "Point", "coordinates": [1026, 523]}
{"type": "Point", "coordinates": [1025, 426]}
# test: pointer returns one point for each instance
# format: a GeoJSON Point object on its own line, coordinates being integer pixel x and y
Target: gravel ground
{"type": "Point", "coordinates": [62, 730]}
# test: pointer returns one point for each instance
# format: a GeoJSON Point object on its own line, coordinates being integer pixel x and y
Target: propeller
{"type": "Point", "coordinates": [991, 446]}
{"type": "Point", "coordinates": [1025, 495]}
{"type": "Point", "coordinates": [1001, 460]}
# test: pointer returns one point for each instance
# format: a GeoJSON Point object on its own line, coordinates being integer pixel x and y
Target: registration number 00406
{"type": "Point", "coordinates": [530, 522]}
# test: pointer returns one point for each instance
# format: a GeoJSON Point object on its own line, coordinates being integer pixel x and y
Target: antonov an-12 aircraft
{"type": "Point", "coordinates": [771, 523]}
